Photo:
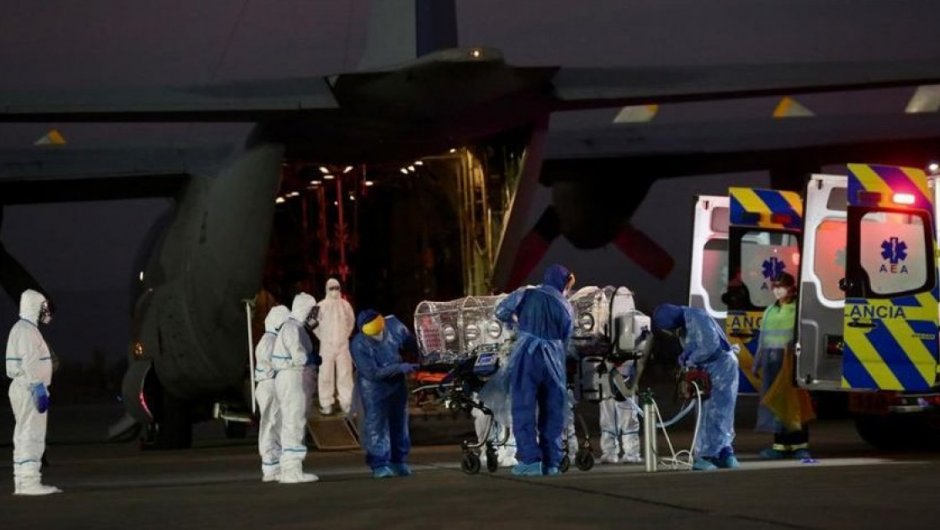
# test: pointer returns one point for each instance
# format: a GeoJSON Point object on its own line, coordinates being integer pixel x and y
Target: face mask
{"type": "Point", "coordinates": [311, 321]}
{"type": "Point", "coordinates": [45, 315]}
{"type": "Point", "coordinates": [780, 292]}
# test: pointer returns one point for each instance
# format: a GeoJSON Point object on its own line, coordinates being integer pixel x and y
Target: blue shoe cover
{"type": "Point", "coordinates": [383, 472]}
{"type": "Point", "coordinates": [703, 464]}
{"type": "Point", "coordinates": [728, 462]}
{"type": "Point", "coordinates": [771, 454]}
{"type": "Point", "coordinates": [552, 471]}
{"type": "Point", "coordinates": [804, 456]}
{"type": "Point", "coordinates": [402, 470]}
{"type": "Point", "coordinates": [528, 470]}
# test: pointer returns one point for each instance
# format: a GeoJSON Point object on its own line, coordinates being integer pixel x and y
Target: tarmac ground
{"type": "Point", "coordinates": [217, 485]}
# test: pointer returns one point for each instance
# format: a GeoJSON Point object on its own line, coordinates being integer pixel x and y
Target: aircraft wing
{"type": "Point", "coordinates": [586, 88]}
{"type": "Point", "coordinates": [571, 88]}
{"type": "Point", "coordinates": [738, 135]}
{"type": "Point", "coordinates": [248, 101]}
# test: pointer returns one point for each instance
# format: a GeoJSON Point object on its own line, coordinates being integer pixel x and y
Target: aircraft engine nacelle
{"type": "Point", "coordinates": [190, 322]}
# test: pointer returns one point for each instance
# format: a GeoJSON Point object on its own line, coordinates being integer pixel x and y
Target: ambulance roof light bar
{"type": "Point", "coordinates": [906, 199]}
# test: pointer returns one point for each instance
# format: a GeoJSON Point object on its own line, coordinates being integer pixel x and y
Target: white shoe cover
{"type": "Point", "coordinates": [33, 487]}
{"type": "Point", "coordinates": [297, 478]}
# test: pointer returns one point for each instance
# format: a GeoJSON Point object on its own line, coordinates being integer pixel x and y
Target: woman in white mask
{"type": "Point", "coordinates": [784, 408]}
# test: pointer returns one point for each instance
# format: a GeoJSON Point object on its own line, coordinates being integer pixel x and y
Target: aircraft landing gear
{"type": "Point", "coordinates": [173, 429]}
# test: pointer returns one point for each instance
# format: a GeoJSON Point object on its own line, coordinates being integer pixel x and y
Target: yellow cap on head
{"type": "Point", "coordinates": [374, 327]}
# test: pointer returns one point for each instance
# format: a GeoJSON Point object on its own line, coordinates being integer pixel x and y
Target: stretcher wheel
{"type": "Point", "coordinates": [470, 463]}
{"type": "Point", "coordinates": [584, 460]}
{"type": "Point", "coordinates": [492, 461]}
{"type": "Point", "coordinates": [565, 464]}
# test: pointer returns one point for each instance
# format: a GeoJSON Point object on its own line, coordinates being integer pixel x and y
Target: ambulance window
{"type": "Point", "coordinates": [764, 255]}
{"type": "Point", "coordinates": [893, 252]}
{"type": "Point", "coordinates": [829, 258]}
{"type": "Point", "coordinates": [720, 220]}
{"type": "Point", "coordinates": [837, 199]}
{"type": "Point", "coordinates": [715, 272]}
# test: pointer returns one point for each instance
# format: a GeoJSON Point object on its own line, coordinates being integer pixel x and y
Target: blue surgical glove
{"type": "Point", "coordinates": [40, 397]}
{"type": "Point", "coordinates": [407, 368]}
{"type": "Point", "coordinates": [684, 358]}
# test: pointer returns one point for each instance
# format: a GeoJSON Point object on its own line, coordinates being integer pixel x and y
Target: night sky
{"type": "Point", "coordinates": [85, 252]}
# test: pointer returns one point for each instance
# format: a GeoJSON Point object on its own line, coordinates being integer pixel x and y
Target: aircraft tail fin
{"type": "Point", "coordinates": [400, 31]}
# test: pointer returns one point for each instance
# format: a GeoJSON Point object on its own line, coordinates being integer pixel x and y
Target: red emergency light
{"type": "Point", "coordinates": [781, 219]}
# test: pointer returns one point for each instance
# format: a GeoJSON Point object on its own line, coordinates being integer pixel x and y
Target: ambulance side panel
{"type": "Point", "coordinates": [821, 301]}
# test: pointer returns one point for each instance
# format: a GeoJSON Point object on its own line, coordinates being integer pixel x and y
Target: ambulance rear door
{"type": "Point", "coordinates": [891, 312]}
{"type": "Point", "coordinates": [764, 241]}
{"type": "Point", "coordinates": [822, 269]}
{"type": "Point", "coordinates": [708, 278]}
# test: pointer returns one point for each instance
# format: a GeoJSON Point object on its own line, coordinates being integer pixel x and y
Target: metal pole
{"type": "Point", "coordinates": [251, 355]}
{"type": "Point", "coordinates": [650, 458]}
{"type": "Point", "coordinates": [341, 229]}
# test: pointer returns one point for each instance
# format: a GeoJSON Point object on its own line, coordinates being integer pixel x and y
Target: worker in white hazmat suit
{"type": "Point", "coordinates": [337, 322]}
{"type": "Point", "coordinates": [293, 351]}
{"type": "Point", "coordinates": [269, 427]}
{"type": "Point", "coordinates": [618, 417]}
{"type": "Point", "coordinates": [505, 453]}
{"type": "Point", "coordinates": [29, 365]}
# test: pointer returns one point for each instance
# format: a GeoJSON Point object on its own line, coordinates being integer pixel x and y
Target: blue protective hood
{"type": "Point", "coordinates": [556, 276]}
{"type": "Point", "coordinates": [365, 316]}
{"type": "Point", "coordinates": [668, 317]}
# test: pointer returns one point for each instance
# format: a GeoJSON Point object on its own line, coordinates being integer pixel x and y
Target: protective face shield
{"type": "Point", "coordinates": [569, 284]}
{"type": "Point", "coordinates": [672, 333]}
{"type": "Point", "coordinates": [311, 321]}
{"type": "Point", "coordinates": [374, 328]}
{"type": "Point", "coordinates": [45, 313]}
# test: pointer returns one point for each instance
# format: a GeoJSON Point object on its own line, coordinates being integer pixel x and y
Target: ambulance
{"type": "Point", "coordinates": [865, 252]}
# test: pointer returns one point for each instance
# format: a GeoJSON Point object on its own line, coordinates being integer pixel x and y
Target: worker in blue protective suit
{"type": "Point", "coordinates": [380, 378]}
{"type": "Point", "coordinates": [705, 346]}
{"type": "Point", "coordinates": [544, 321]}
{"type": "Point", "coordinates": [29, 365]}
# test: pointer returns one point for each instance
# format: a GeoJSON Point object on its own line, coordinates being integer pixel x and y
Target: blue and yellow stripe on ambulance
{"type": "Point", "coordinates": [899, 351]}
{"type": "Point", "coordinates": [764, 209]}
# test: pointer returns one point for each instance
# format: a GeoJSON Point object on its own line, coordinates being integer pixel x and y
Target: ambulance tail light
{"type": "Point", "coordinates": [781, 219]}
{"type": "Point", "coordinates": [907, 199]}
